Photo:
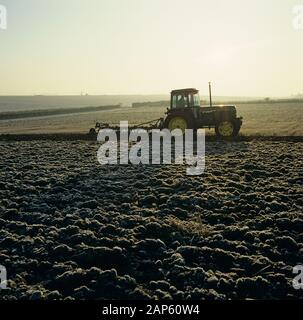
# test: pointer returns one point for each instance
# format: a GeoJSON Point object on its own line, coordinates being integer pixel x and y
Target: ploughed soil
{"type": "Point", "coordinates": [71, 228]}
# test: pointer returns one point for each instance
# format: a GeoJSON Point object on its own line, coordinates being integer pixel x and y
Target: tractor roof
{"type": "Point", "coordinates": [185, 91]}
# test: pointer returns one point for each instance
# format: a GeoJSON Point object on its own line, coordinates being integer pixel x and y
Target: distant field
{"type": "Point", "coordinates": [12, 115]}
{"type": "Point", "coordinates": [283, 118]}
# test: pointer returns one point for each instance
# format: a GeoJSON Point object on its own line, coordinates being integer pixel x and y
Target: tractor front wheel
{"type": "Point", "coordinates": [227, 129]}
{"type": "Point", "coordinates": [178, 122]}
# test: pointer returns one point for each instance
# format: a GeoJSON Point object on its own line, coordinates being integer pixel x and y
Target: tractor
{"type": "Point", "coordinates": [185, 112]}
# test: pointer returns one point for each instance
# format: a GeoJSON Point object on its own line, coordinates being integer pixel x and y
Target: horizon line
{"type": "Point", "coordinates": [144, 94]}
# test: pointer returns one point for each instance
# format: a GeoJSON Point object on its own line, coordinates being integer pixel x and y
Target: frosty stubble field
{"type": "Point", "coordinates": [225, 234]}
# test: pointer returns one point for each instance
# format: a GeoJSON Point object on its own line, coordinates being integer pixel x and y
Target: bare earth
{"type": "Point", "coordinates": [73, 228]}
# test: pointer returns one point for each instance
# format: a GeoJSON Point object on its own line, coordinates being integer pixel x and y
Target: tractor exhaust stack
{"type": "Point", "coordinates": [210, 97]}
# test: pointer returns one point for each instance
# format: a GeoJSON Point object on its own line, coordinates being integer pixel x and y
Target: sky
{"type": "Point", "coordinates": [62, 47]}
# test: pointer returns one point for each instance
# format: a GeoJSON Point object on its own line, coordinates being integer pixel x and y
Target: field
{"type": "Point", "coordinates": [102, 199]}
{"type": "Point", "coordinates": [280, 119]}
{"type": "Point", "coordinates": [71, 228]}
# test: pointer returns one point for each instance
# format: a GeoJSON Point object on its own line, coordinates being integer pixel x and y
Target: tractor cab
{"type": "Point", "coordinates": [184, 98]}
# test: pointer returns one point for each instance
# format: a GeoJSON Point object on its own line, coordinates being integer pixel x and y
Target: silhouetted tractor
{"type": "Point", "coordinates": [185, 112]}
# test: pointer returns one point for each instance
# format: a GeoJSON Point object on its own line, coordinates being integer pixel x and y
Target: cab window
{"type": "Point", "coordinates": [174, 102]}
{"type": "Point", "coordinates": [196, 102]}
{"type": "Point", "coordinates": [179, 101]}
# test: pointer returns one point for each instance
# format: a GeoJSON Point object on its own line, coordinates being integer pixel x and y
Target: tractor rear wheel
{"type": "Point", "coordinates": [227, 129]}
{"type": "Point", "coordinates": [179, 122]}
